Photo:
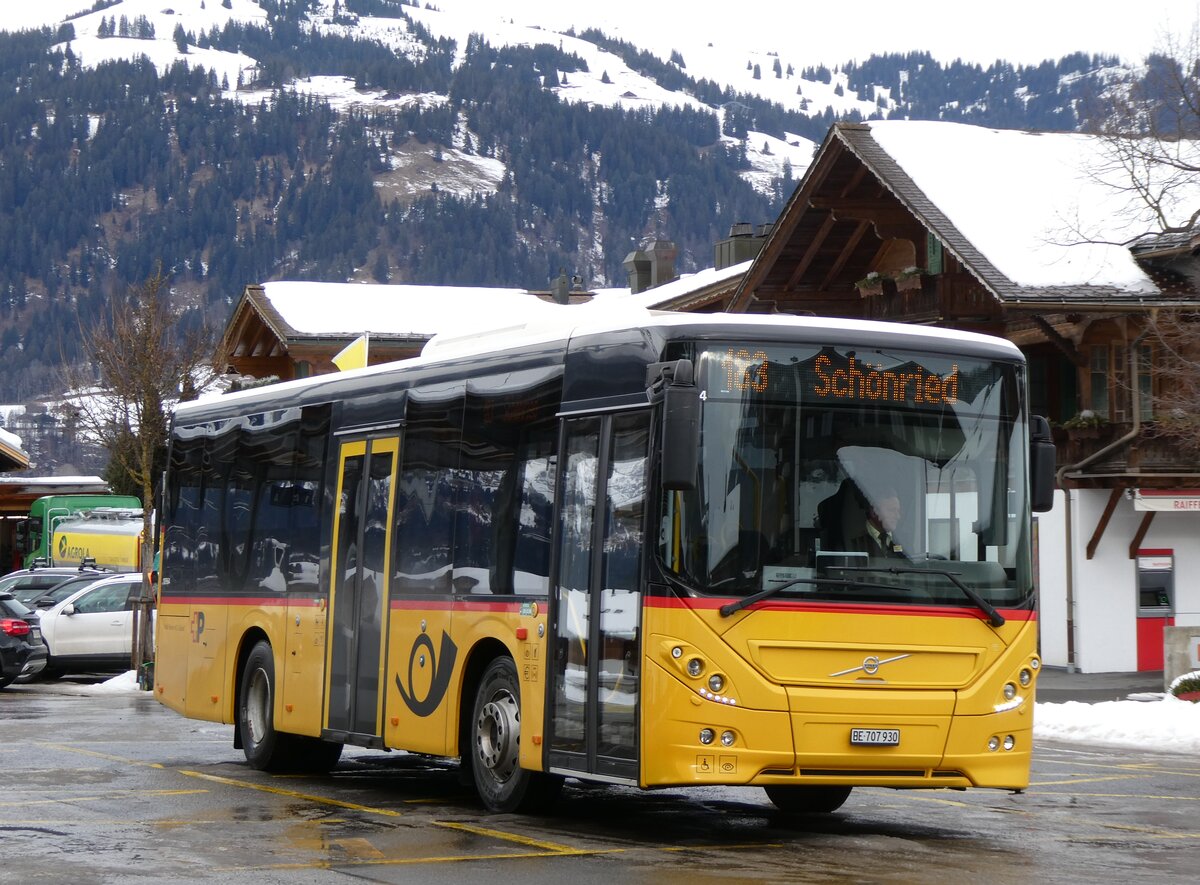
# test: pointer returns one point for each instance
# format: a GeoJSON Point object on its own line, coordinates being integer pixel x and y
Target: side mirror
{"type": "Point", "coordinates": [69, 609]}
{"type": "Point", "coordinates": [672, 382]}
{"type": "Point", "coordinates": [1041, 465]}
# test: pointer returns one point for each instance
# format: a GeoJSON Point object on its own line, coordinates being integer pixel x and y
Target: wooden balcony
{"type": "Point", "coordinates": [1147, 460]}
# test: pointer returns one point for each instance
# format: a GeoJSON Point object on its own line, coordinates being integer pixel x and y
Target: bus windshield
{"type": "Point", "coordinates": [855, 474]}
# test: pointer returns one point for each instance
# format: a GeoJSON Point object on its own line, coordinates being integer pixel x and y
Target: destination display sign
{"type": "Point", "coordinates": [827, 375]}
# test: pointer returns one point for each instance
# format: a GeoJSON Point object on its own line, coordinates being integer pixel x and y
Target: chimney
{"type": "Point", "coordinates": [662, 261]}
{"type": "Point", "coordinates": [637, 266]}
{"type": "Point", "coordinates": [560, 288]}
{"type": "Point", "coordinates": [742, 244]}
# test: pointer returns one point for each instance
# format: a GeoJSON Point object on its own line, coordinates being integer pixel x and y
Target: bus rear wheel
{"type": "Point", "coordinates": [807, 800]}
{"type": "Point", "coordinates": [267, 749]}
{"type": "Point", "coordinates": [494, 754]}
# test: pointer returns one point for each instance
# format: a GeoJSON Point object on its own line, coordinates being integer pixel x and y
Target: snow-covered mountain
{"type": "Point", "coordinates": [462, 142]}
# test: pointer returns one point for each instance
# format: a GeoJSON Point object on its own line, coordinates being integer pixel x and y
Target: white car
{"type": "Point", "coordinates": [92, 629]}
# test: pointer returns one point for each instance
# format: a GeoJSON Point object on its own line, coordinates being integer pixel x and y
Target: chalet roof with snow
{"type": "Point", "coordinates": [1006, 219]}
{"type": "Point", "coordinates": [291, 329]}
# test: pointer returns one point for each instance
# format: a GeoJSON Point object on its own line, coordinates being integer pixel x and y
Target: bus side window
{"type": "Point", "coordinates": [423, 541]}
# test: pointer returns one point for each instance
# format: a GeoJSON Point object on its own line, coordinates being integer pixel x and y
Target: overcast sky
{"type": "Point", "coordinates": [1020, 31]}
{"type": "Point", "coordinates": [1023, 31]}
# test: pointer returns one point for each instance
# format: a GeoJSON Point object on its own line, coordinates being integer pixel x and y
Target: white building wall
{"type": "Point", "coordinates": [1105, 586]}
{"type": "Point", "coordinates": [1052, 584]}
{"type": "Point", "coordinates": [1105, 597]}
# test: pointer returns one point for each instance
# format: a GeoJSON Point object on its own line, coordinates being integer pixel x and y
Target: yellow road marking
{"type": "Point", "coordinates": [111, 758]}
{"type": "Point", "coordinates": [510, 837]}
{"type": "Point", "coordinates": [1088, 780]}
{"type": "Point", "coordinates": [107, 797]}
{"type": "Point", "coordinates": [1153, 831]}
{"type": "Point", "coordinates": [1173, 798]}
{"type": "Point", "coordinates": [409, 861]}
{"type": "Point", "coordinates": [279, 791]}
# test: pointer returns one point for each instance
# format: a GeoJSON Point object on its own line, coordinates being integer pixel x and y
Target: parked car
{"type": "Point", "coordinates": [38, 598]}
{"type": "Point", "coordinates": [22, 651]}
{"type": "Point", "coordinates": [28, 583]}
{"type": "Point", "coordinates": [91, 630]}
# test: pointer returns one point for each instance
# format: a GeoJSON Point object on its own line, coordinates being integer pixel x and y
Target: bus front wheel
{"type": "Point", "coordinates": [496, 744]}
{"type": "Point", "coordinates": [807, 800]}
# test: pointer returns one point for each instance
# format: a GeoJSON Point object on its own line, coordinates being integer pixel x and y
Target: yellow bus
{"type": "Point", "coordinates": [629, 553]}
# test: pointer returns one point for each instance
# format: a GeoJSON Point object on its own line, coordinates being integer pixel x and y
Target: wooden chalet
{"type": "Point", "coordinates": [945, 230]}
{"type": "Point", "coordinates": [860, 238]}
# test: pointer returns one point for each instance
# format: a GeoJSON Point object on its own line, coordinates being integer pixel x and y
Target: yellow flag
{"type": "Point", "coordinates": [353, 355]}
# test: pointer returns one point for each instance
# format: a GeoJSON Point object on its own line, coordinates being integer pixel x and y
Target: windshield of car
{"type": "Point", "coordinates": [44, 598]}
{"type": "Point", "coordinates": [29, 587]}
{"type": "Point", "coordinates": [901, 473]}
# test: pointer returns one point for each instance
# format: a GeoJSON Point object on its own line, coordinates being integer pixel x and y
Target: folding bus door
{"type": "Point", "coordinates": [596, 605]}
{"type": "Point", "coordinates": [359, 589]}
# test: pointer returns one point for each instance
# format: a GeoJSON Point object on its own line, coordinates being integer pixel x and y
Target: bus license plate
{"type": "Point", "coordinates": [875, 737]}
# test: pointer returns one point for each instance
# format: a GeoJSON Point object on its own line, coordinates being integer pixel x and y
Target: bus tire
{"type": "Point", "coordinates": [265, 748]}
{"type": "Point", "coordinates": [311, 755]}
{"type": "Point", "coordinates": [494, 750]}
{"type": "Point", "coordinates": [807, 800]}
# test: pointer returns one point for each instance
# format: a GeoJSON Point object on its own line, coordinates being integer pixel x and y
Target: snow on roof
{"type": "Point", "coordinates": [10, 440]}
{"type": "Point", "coordinates": [1047, 209]}
{"type": "Point", "coordinates": [685, 285]}
{"type": "Point", "coordinates": [349, 309]}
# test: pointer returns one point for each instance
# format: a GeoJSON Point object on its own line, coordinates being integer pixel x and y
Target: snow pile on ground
{"type": "Point", "coordinates": [126, 683]}
{"type": "Point", "coordinates": [1168, 724]}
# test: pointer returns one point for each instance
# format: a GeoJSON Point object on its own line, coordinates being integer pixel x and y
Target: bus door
{"type": "Point", "coordinates": [359, 589]}
{"type": "Point", "coordinates": [596, 605]}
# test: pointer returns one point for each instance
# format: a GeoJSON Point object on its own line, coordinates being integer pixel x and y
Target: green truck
{"type": "Point", "coordinates": [35, 533]}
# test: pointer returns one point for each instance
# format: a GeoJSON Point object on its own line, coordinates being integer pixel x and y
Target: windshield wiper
{"type": "Point", "coordinates": [745, 602]}
{"type": "Point", "coordinates": [994, 617]}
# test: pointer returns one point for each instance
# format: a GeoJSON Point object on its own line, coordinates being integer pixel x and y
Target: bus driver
{"type": "Point", "coordinates": [877, 537]}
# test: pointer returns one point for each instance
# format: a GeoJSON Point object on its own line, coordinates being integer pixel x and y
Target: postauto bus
{"type": "Point", "coordinates": [624, 553]}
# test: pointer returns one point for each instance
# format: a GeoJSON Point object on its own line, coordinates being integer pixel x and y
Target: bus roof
{"type": "Point", "coordinates": [557, 336]}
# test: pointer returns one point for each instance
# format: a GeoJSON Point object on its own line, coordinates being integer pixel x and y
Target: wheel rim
{"type": "Point", "coordinates": [258, 705]}
{"type": "Point", "coordinates": [498, 736]}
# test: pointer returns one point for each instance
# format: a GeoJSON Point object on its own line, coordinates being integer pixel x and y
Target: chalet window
{"type": "Point", "coordinates": [1111, 390]}
{"type": "Point", "coordinates": [1099, 403]}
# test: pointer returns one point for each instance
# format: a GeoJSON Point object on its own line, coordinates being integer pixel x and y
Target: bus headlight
{"type": "Point", "coordinates": [707, 735]}
{"type": "Point", "coordinates": [1010, 691]}
{"type": "Point", "coordinates": [1024, 677]}
{"type": "Point", "coordinates": [716, 682]}
{"type": "Point", "coordinates": [695, 667]}
{"type": "Point", "coordinates": [727, 738]}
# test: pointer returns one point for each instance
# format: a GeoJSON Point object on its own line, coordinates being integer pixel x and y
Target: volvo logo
{"type": "Point", "coordinates": [870, 665]}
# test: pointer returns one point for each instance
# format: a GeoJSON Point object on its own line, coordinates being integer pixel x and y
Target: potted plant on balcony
{"type": "Point", "coordinates": [871, 284]}
{"type": "Point", "coordinates": [1086, 425]}
{"type": "Point", "coordinates": [909, 279]}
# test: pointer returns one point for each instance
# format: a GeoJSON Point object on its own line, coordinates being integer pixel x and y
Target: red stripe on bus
{"type": "Point", "coordinates": [857, 608]}
{"type": "Point", "coordinates": [454, 605]}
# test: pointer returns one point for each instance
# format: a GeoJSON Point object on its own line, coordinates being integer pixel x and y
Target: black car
{"type": "Point", "coordinates": [22, 651]}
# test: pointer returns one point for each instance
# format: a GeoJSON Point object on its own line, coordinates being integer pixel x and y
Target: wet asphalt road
{"type": "Point", "coordinates": [116, 789]}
